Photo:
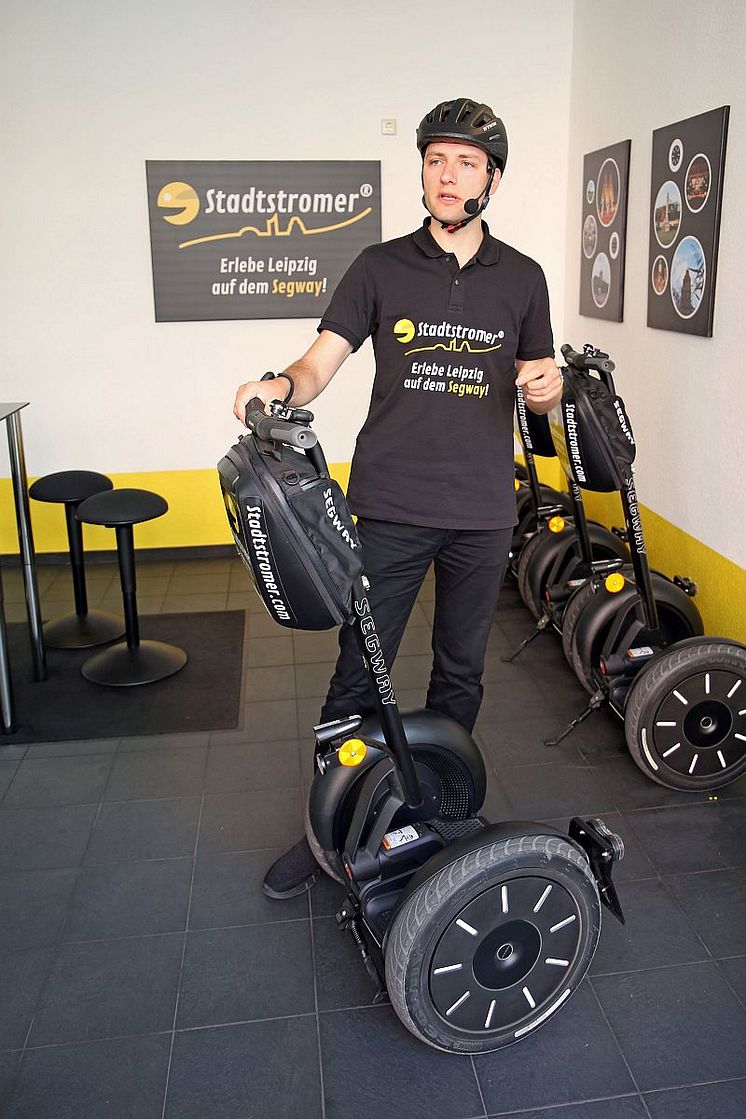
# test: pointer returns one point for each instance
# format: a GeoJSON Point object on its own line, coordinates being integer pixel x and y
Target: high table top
{"type": "Point", "coordinates": [8, 409]}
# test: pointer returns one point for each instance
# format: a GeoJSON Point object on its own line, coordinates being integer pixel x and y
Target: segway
{"type": "Point", "coordinates": [564, 552]}
{"type": "Point", "coordinates": [635, 637]}
{"type": "Point", "coordinates": [479, 932]}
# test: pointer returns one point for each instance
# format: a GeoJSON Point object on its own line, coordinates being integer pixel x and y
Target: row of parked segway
{"type": "Point", "coordinates": [634, 637]}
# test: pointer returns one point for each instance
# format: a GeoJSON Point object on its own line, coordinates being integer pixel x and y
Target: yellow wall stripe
{"type": "Point", "coordinates": [196, 518]}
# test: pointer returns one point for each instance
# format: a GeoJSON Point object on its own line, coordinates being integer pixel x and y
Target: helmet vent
{"type": "Point", "coordinates": [445, 111]}
{"type": "Point", "coordinates": [467, 109]}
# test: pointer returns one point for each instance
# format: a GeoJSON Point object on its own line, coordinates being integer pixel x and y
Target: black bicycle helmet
{"type": "Point", "coordinates": [463, 119]}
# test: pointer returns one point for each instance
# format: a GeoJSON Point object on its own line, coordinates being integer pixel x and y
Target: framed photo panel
{"type": "Point", "coordinates": [604, 231]}
{"type": "Point", "coordinates": [685, 203]}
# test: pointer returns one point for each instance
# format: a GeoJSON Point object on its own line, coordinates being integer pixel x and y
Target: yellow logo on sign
{"type": "Point", "coordinates": [272, 229]}
{"type": "Point", "coordinates": [182, 197]}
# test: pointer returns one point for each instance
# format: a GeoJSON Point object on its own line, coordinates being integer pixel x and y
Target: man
{"type": "Point", "coordinates": [453, 314]}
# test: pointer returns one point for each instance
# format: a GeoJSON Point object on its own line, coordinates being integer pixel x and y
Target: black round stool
{"type": "Point", "coordinates": [85, 627]}
{"type": "Point", "coordinates": [132, 661]}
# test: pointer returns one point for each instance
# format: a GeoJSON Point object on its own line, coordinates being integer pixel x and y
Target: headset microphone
{"type": "Point", "coordinates": [471, 206]}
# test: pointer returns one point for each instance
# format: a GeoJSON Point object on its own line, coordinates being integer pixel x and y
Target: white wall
{"type": "Point", "coordinates": [93, 88]}
{"type": "Point", "coordinates": [638, 66]}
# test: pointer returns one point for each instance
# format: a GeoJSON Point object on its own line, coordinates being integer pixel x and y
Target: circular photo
{"type": "Point", "coordinates": [590, 236]}
{"type": "Point", "coordinates": [675, 154]}
{"type": "Point", "coordinates": [614, 245]}
{"type": "Point", "coordinates": [590, 190]}
{"type": "Point", "coordinates": [659, 275]}
{"type": "Point", "coordinates": [688, 277]}
{"type": "Point", "coordinates": [607, 192]}
{"type": "Point", "coordinates": [601, 280]}
{"type": "Point", "coordinates": [697, 183]}
{"type": "Point", "coordinates": [667, 214]}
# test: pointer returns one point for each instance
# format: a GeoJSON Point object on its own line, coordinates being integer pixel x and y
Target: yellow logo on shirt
{"type": "Point", "coordinates": [404, 330]}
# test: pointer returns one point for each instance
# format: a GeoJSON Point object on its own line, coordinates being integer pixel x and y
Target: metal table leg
{"type": "Point", "coordinates": [6, 687]}
{"type": "Point", "coordinates": [26, 542]}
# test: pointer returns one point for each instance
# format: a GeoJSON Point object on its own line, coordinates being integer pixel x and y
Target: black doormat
{"type": "Point", "coordinates": [203, 695]}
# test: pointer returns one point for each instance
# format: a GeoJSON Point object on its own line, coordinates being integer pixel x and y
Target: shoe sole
{"type": "Point", "coordinates": [294, 891]}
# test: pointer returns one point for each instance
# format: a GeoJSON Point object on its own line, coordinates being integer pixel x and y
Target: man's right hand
{"type": "Point", "coordinates": [265, 390]}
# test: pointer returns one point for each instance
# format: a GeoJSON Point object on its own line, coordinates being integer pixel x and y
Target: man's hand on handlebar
{"type": "Point", "coordinates": [266, 391]}
{"type": "Point", "coordinates": [541, 382]}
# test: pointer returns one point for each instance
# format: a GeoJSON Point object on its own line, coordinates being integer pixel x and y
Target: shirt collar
{"type": "Point", "coordinates": [487, 253]}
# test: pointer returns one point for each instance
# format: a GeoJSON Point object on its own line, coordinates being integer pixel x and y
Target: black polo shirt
{"type": "Point", "coordinates": [437, 446]}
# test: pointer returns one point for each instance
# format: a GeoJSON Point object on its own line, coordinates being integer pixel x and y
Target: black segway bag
{"type": "Point", "coordinates": [592, 434]}
{"type": "Point", "coordinates": [293, 531]}
{"type": "Point", "coordinates": [533, 430]}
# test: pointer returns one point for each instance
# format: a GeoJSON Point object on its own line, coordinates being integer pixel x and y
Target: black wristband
{"type": "Point", "coordinates": [291, 390]}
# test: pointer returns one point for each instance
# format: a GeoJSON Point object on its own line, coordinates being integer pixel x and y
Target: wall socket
{"type": "Point", "coordinates": [388, 126]}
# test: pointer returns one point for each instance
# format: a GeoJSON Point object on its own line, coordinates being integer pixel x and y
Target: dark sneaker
{"type": "Point", "coordinates": [293, 873]}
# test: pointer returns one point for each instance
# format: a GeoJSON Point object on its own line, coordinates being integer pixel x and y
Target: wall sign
{"type": "Point", "coordinates": [241, 240]}
{"type": "Point", "coordinates": [604, 232]}
{"type": "Point", "coordinates": [685, 204]}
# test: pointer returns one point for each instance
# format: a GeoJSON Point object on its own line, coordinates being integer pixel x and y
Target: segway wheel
{"type": "Point", "coordinates": [329, 861]}
{"type": "Point", "coordinates": [494, 944]}
{"type": "Point", "coordinates": [526, 558]}
{"type": "Point", "coordinates": [576, 604]}
{"type": "Point", "coordinates": [685, 716]}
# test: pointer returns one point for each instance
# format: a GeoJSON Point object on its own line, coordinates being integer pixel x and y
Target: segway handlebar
{"type": "Point", "coordinates": [275, 430]}
{"type": "Point", "coordinates": [591, 360]}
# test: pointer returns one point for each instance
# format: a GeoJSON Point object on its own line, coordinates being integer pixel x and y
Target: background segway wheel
{"type": "Point", "coordinates": [685, 716]}
{"type": "Point", "coordinates": [329, 861]}
{"type": "Point", "coordinates": [678, 617]}
{"type": "Point", "coordinates": [528, 552]}
{"type": "Point", "coordinates": [494, 944]}
{"type": "Point", "coordinates": [576, 604]}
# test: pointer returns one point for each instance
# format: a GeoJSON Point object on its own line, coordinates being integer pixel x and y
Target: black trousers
{"type": "Point", "coordinates": [469, 569]}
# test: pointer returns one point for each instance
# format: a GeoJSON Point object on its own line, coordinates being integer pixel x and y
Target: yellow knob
{"type": "Point", "coordinates": [556, 524]}
{"type": "Point", "coordinates": [614, 582]}
{"type": "Point", "coordinates": [352, 752]}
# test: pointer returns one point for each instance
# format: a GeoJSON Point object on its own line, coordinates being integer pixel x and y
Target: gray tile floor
{"type": "Point", "coordinates": [144, 975]}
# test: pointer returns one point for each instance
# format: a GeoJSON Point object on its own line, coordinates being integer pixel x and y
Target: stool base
{"type": "Point", "coordinates": [83, 631]}
{"type": "Point", "coordinates": [121, 667]}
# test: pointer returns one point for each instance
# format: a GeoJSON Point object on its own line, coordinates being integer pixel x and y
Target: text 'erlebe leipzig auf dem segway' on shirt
{"type": "Point", "coordinates": [437, 374]}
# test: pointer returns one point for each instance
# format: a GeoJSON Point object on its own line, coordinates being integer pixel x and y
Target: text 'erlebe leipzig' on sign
{"type": "Point", "coordinates": [256, 240]}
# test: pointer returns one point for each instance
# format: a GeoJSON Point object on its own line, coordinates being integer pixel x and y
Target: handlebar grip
{"type": "Point", "coordinates": [586, 362]}
{"type": "Point", "coordinates": [571, 356]}
{"type": "Point", "coordinates": [277, 431]}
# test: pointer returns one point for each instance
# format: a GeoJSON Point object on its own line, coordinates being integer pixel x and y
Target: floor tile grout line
{"type": "Point", "coordinates": [87, 1041]}
{"type": "Point", "coordinates": [58, 943]}
{"type": "Point", "coordinates": [618, 1044]}
{"type": "Point", "coordinates": [184, 945]}
{"type": "Point", "coordinates": [628, 817]}
{"type": "Point", "coordinates": [12, 780]}
{"type": "Point", "coordinates": [562, 1106]}
{"type": "Point", "coordinates": [316, 1005]}
{"type": "Point", "coordinates": [479, 1086]}
{"type": "Point", "coordinates": [740, 998]}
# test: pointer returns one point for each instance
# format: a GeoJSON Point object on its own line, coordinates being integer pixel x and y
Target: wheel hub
{"type": "Point", "coordinates": [708, 724]}
{"type": "Point", "coordinates": [519, 945]}
{"type": "Point", "coordinates": [698, 729]}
